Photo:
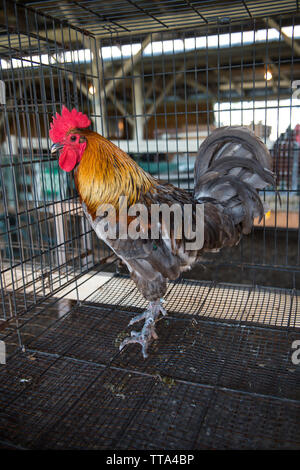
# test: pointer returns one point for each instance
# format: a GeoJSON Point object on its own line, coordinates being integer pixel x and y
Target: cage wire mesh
{"type": "Point", "coordinates": [155, 78]}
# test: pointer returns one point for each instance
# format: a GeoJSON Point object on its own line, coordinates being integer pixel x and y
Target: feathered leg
{"type": "Point", "coordinates": [148, 333]}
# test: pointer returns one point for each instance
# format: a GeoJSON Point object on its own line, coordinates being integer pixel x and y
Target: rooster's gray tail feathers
{"type": "Point", "coordinates": [231, 167]}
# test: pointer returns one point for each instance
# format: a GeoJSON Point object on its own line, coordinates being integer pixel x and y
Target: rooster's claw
{"type": "Point", "coordinates": [148, 333]}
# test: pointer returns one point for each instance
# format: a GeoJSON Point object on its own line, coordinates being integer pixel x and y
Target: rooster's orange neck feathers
{"type": "Point", "coordinates": [106, 172]}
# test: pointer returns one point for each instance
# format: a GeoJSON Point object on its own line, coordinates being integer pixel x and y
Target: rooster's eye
{"type": "Point", "coordinates": [73, 138]}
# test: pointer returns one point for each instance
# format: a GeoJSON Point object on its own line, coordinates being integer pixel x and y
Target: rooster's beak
{"type": "Point", "coordinates": [55, 148]}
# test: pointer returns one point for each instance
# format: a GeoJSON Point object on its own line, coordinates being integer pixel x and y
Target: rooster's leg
{"type": "Point", "coordinates": [148, 333]}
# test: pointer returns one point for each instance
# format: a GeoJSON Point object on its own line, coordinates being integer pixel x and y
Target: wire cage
{"type": "Point", "coordinates": [155, 78]}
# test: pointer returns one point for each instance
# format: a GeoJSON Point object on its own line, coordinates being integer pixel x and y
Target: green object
{"type": "Point", "coordinates": [51, 181]}
{"type": "Point", "coordinates": [157, 167]}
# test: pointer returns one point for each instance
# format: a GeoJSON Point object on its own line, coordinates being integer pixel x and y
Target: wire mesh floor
{"type": "Point", "coordinates": [219, 377]}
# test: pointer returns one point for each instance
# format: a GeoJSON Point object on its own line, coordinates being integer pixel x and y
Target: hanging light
{"type": "Point", "coordinates": [91, 90]}
{"type": "Point", "coordinates": [268, 75]}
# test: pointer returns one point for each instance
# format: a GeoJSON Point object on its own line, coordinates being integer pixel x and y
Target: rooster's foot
{"type": "Point", "coordinates": [148, 333]}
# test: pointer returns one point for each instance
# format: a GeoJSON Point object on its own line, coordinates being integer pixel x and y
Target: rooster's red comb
{"type": "Point", "coordinates": [61, 124]}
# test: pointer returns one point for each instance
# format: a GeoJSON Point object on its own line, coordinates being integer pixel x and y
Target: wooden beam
{"type": "Point", "coordinates": [128, 64]}
{"type": "Point", "coordinates": [121, 108]}
{"type": "Point", "coordinates": [193, 83]}
{"type": "Point", "coordinates": [278, 71]}
{"type": "Point", "coordinates": [231, 85]}
{"type": "Point", "coordinates": [289, 41]}
{"type": "Point", "coordinates": [149, 90]}
{"type": "Point", "coordinates": [114, 100]}
{"type": "Point", "coordinates": [177, 76]}
{"type": "Point", "coordinates": [259, 84]}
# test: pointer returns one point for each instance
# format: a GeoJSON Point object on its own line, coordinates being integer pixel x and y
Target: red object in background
{"type": "Point", "coordinates": [297, 133]}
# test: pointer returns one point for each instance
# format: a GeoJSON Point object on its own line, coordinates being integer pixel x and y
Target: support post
{"type": "Point", "coordinates": [138, 129]}
{"type": "Point", "coordinates": [60, 237]}
{"type": "Point", "coordinates": [98, 98]}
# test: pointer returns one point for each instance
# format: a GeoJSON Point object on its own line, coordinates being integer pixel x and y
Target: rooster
{"type": "Point", "coordinates": [232, 165]}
